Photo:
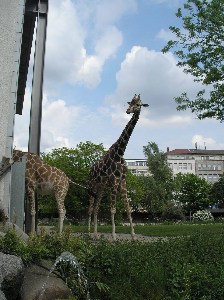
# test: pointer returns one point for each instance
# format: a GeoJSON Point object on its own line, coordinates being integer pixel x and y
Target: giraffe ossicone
{"type": "Point", "coordinates": [110, 172]}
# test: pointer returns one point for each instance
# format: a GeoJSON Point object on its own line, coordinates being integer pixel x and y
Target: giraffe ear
{"type": "Point", "coordinates": [128, 102]}
{"type": "Point", "coordinates": [145, 105]}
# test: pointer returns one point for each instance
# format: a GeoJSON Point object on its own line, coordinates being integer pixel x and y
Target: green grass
{"type": "Point", "coordinates": [188, 267]}
{"type": "Point", "coordinates": [160, 230]}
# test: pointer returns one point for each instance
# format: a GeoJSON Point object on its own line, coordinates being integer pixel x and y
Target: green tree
{"type": "Point", "coordinates": [152, 198]}
{"type": "Point", "coordinates": [199, 46]}
{"type": "Point", "coordinates": [192, 192]}
{"type": "Point", "coordinates": [161, 183]}
{"type": "Point", "coordinates": [75, 162]}
{"type": "Point", "coordinates": [217, 192]}
{"type": "Point", "coordinates": [135, 190]}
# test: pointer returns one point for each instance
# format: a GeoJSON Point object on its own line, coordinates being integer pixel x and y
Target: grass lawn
{"type": "Point", "coordinates": [160, 230]}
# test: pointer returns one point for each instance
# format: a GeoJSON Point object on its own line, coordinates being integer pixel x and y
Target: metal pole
{"type": "Point", "coordinates": [37, 94]}
{"type": "Point", "coordinates": [37, 85]}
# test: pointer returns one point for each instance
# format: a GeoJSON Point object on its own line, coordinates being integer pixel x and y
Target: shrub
{"type": "Point", "coordinates": [190, 267]}
{"type": "Point", "coordinates": [202, 216]}
{"type": "Point", "coordinates": [172, 212]}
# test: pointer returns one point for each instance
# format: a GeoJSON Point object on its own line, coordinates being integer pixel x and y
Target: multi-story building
{"type": "Point", "coordinates": [208, 164]}
{"type": "Point", "coordinates": [137, 166]}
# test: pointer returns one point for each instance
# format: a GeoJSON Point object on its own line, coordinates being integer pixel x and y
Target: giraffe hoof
{"type": "Point", "coordinates": [96, 236]}
{"type": "Point", "coordinates": [134, 238]}
{"type": "Point", "coordinates": [114, 237]}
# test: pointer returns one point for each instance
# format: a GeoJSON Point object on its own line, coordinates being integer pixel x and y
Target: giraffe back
{"type": "Point", "coordinates": [41, 176]}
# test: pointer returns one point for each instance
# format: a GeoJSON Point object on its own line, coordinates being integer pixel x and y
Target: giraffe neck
{"type": "Point", "coordinates": [120, 145]}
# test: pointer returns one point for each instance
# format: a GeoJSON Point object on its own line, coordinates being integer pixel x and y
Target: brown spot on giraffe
{"type": "Point", "coordinates": [110, 171]}
{"type": "Point", "coordinates": [46, 180]}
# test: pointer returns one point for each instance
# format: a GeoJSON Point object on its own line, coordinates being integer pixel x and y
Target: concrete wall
{"type": "Point", "coordinates": [11, 21]}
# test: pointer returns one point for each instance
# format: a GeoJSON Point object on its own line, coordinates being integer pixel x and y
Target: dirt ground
{"type": "Point", "coordinates": [107, 236]}
{"type": "Point", "coordinates": [127, 237]}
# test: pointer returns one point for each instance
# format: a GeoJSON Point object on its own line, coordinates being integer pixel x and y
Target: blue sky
{"type": "Point", "coordinates": [99, 53]}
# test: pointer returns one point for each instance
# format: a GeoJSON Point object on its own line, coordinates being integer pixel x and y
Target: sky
{"type": "Point", "coordinates": [99, 53]}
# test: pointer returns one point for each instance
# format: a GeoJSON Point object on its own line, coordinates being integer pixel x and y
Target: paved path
{"type": "Point", "coordinates": [120, 236]}
{"type": "Point", "coordinates": [126, 237]}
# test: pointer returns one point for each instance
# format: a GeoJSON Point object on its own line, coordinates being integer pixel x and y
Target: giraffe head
{"type": "Point", "coordinates": [135, 105]}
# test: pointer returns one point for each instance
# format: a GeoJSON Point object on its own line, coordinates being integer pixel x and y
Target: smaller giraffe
{"type": "Point", "coordinates": [46, 180]}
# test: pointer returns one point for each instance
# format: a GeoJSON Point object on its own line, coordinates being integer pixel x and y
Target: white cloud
{"type": "Point", "coordinates": [207, 142]}
{"type": "Point", "coordinates": [58, 122]}
{"type": "Point", "coordinates": [157, 78]}
{"type": "Point", "coordinates": [166, 35]}
{"type": "Point", "coordinates": [170, 3]}
{"type": "Point", "coordinates": [109, 12]}
{"type": "Point", "coordinates": [81, 37]}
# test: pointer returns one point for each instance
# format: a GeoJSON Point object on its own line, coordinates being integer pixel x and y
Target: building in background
{"type": "Point", "coordinates": [208, 164]}
{"type": "Point", "coordinates": [138, 166]}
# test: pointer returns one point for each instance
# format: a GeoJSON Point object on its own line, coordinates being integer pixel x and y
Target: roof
{"type": "Point", "coordinates": [195, 152]}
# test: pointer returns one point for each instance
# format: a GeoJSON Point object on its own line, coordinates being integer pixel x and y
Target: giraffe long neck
{"type": "Point", "coordinates": [120, 145]}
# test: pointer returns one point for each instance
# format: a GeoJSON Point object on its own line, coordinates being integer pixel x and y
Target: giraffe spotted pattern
{"type": "Point", "coordinates": [45, 180]}
{"type": "Point", "coordinates": [110, 172]}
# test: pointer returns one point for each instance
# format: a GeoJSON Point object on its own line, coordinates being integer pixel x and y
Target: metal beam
{"type": "Point", "coordinates": [37, 91]}
{"type": "Point", "coordinates": [37, 85]}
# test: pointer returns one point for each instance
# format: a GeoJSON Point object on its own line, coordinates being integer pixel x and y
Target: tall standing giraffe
{"type": "Point", "coordinates": [110, 172]}
{"type": "Point", "coordinates": [45, 180]}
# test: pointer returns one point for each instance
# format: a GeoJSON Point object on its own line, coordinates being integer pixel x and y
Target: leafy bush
{"type": "Point", "coordinates": [172, 212]}
{"type": "Point", "coordinates": [187, 267]}
{"type": "Point", "coordinates": [202, 216]}
{"type": "Point", "coordinates": [3, 217]}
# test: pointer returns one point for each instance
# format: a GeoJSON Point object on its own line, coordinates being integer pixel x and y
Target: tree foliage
{"type": "Point", "coordinates": [153, 195]}
{"type": "Point", "coordinates": [217, 192]}
{"type": "Point", "coordinates": [199, 46]}
{"type": "Point", "coordinates": [75, 162]}
{"type": "Point", "coordinates": [159, 189]}
{"type": "Point", "coordinates": [192, 192]}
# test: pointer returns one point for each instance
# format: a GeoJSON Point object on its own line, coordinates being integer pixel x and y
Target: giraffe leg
{"type": "Point", "coordinates": [30, 191]}
{"type": "Point", "coordinates": [126, 201]}
{"type": "Point", "coordinates": [113, 210]}
{"type": "Point", "coordinates": [95, 214]}
{"type": "Point", "coordinates": [60, 199]}
{"type": "Point", "coordinates": [91, 203]}
{"type": "Point", "coordinates": [61, 220]}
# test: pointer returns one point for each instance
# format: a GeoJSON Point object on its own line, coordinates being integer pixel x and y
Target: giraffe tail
{"type": "Point", "coordinates": [84, 187]}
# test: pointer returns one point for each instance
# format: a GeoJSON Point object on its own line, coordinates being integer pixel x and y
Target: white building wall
{"type": "Point", "coordinates": [138, 166]}
{"type": "Point", "coordinates": [183, 166]}
{"type": "Point", "coordinates": [11, 21]}
{"type": "Point", "coordinates": [208, 166]}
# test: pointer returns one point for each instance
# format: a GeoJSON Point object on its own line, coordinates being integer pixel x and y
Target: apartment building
{"type": "Point", "coordinates": [208, 164]}
{"type": "Point", "coordinates": [137, 166]}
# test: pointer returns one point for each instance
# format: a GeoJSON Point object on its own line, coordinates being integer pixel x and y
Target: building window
{"type": "Point", "coordinates": [204, 157]}
{"type": "Point", "coordinates": [140, 163]}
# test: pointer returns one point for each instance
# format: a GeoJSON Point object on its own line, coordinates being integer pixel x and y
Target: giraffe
{"type": "Point", "coordinates": [110, 172]}
{"type": "Point", "coordinates": [46, 180]}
